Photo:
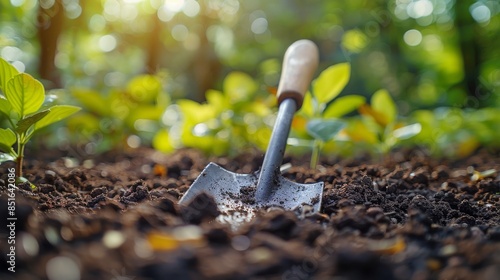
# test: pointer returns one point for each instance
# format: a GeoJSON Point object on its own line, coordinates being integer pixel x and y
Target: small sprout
{"type": "Point", "coordinates": [321, 110]}
{"type": "Point", "coordinates": [478, 176]}
{"type": "Point", "coordinates": [381, 119]}
{"type": "Point", "coordinates": [21, 103]}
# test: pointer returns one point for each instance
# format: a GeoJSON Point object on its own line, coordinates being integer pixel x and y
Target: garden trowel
{"type": "Point", "coordinates": [240, 196]}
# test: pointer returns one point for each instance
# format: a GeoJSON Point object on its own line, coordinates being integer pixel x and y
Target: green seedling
{"type": "Point", "coordinates": [319, 117]}
{"type": "Point", "coordinates": [21, 104]}
{"type": "Point", "coordinates": [233, 119]}
{"type": "Point", "coordinates": [380, 126]}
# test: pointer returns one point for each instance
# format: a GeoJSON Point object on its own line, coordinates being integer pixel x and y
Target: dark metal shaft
{"type": "Point", "coordinates": [275, 150]}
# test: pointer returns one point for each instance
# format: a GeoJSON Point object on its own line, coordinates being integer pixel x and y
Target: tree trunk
{"type": "Point", "coordinates": [154, 47]}
{"type": "Point", "coordinates": [470, 51]}
{"type": "Point", "coordinates": [50, 22]}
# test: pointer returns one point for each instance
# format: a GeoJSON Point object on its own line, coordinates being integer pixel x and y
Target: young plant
{"type": "Point", "coordinates": [320, 114]}
{"type": "Point", "coordinates": [21, 104]}
{"type": "Point", "coordinates": [380, 125]}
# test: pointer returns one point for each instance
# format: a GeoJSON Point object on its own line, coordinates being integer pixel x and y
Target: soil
{"type": "Point", "coordinates": [405, 216]}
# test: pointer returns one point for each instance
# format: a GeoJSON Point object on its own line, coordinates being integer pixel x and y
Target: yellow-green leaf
{"type": "Point", "coordinates": [354, 40]}
{"type": "Point", "coordinates": [239, 86]}
{"type": "Point", "coordinates": [194, 112]}
{"type": "Point", "coordinates": [7, 71]}
{"type": "Point", "coordinates": [162, 142]}
{"type": "Point", "coordinates": [343, 105]}
{"type": "Point", "coordinates": [307, 108]}
{"type": "Point", "coordinates": [144, 88]}
{"type": "Point", "coordinates": [383, 104]}
{"type": "Point", "coordinates": [24, 124]}
{"type": "Point", "coordinates": [217, 100]}
{"type": "Point", "coordinates": [7, 139]}
{"type": "Point", "coordinates": [25, 94]}
{"type": "Point", "coordinates": [5, 106]}
{"type": "Point", "coordinates": [57, 113]}
{"type": "Point", "coordinates": [331, 82]}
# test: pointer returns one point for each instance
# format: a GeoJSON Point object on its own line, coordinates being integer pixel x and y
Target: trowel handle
{"type": "Point", "coordinates": [299, 64]}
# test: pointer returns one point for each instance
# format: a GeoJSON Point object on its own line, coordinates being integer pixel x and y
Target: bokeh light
{"type": "Point", "coordinates": [412, 37]}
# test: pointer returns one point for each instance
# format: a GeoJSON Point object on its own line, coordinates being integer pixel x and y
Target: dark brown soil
{"type": "Point", "coordinates": [407, 216]}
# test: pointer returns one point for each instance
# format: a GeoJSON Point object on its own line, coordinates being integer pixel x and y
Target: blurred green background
{"type": "Point", "coordinates": [427, 53]}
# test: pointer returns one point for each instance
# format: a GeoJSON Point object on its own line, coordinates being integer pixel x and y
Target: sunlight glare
{"type": "Point", "coordinates": [412, 37]}
{"type": "Point", "coordinates": [107, 43]}
{"type": "Point", "coordinates": [174, 5]}
{"type": "Point", "coordinates": [97, 23]}
{"type": "Point", "coordinates": [111, 10]}
{"type": "Point", "coordinates": [17, 3]}
{"type": "Point", "coordinates": [432, 43]}
{"type": "Point", "coordinates": [191, 8]}
{"type": "Point", "coordinates": [180, 32]}
{"type": "Point", "coordinates": [19, 66]}
{"type": "Point", "coordinates": [420, 8]}
{"type": "Point", "coordinates": [11, 53]}
{"type": "Point", "coordinates": [259, 25]}
{"type": "Point", "coordinates": [480, 12]}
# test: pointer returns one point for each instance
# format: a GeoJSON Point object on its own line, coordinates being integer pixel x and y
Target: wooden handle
{"type": "Point", "coordinates": [299, 64]}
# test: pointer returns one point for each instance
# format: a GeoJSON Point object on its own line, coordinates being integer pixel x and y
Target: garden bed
{"type": "Point", "coordinates": [407, 216]}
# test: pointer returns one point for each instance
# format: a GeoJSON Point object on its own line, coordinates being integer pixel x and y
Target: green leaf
{"type": "Point", "coordinates": [383, 103]}
{"type": "Point", "coordinates": [144, 112]}
{"type": "Point", "coordinates": [239, 86]}
{"type": "Point", "coordinates": [324, 129]}
{"type": "Point", "coordinates": [7, 71]}
{"type": "Point", "coordinates": [24, 180]}
{"type": "Point", "coordinates": [354, 40]}
{"type": "Point", "coordinates": [25, 94]}
{"type": "Point", "coordinates": [6, 157]}
{"type": "Point", "coordinates": [144, 88]}
{"type": "Point", "coordinates": [343, 105]}
{"type": "Point", "coordinates": [408, 131]}
{"type": "Point", "coordinates": [217, 100]}
{"type": "Point", "coordinates": [7, 139]}
{"type": "Point", "coordinates": [5, 106]}
{"type": "Point", "coordinates": [163, 142]}
{"type": "Point", "coordinates": [57, 113]}
{"type": "Point", "coordinates": [308, 105]}
{"type": "Point", "coordinates": [331, 82]}
{"type": "Point", "coordinates": [24, 124]}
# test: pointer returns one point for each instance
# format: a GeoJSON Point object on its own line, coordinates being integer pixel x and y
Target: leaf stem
{"type": "Point", "coordinates": [318, 144]}
{"type": "Point", "coordinates": [19, 161]}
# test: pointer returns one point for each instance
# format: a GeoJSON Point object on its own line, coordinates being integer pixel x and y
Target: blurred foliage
{"type": "Point", "coordinates": [322, 120]}
{"type": "Point", "coordinates": [436, 58]}
{"type": "Point", "coordinates": [229, 121]}
{"type": "Point", "coordinates": [455, 132]}
{"type": "Point", "coordinates": [425, 52]}
{"type": "Point", "coordinates": [380, 124]}
{"type": "Point", "coordinates": [120, 118]}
